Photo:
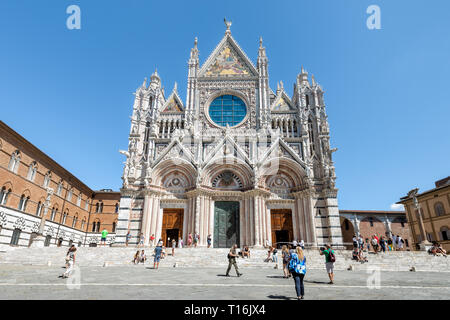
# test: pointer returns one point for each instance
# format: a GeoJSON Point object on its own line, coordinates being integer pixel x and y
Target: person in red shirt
{"type": "Point", "coordinates": [151, 239]}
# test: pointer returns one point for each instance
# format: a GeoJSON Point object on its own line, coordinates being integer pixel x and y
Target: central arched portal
{"type": "Point", "coordinates": [226, 224]}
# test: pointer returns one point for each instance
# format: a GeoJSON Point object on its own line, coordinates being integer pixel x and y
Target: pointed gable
{"type": "Point", "coordinates": [228, 60]}
{"type": "Point", "coordinates": [282, 103]}
{"type": "Point", "coordinates": [173, 103]}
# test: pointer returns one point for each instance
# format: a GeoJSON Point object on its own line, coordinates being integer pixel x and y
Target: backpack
{"type": "Point", "coordinates": [332, 256]}
{"type": "Point", "coordinates": [296, 266]}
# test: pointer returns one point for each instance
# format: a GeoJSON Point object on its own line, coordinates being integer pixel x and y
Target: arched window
{"type": "Point", "coordinates": [114, 226]}
{"type": "Point", "coordinates": [439, 209]}
{"type": "Point", "coordinates": [86, 205]}
{"type": "Point", "coordinates": [83, 222]}
{"type": "Point", "coordinates": [39, 208]}
{"type": "Point", "coordinates": [53, 214]}
{"type": "Point", "coordinates": [47, 179]}
{"type": "Point", "coordinates": [307, 100]}
{"type": "Point", "coordinates": [4, 195]}
{"type": "Point", "coordinates": [15, 237]}
{"type": "Point", "coordinates": [96, 226]}
{"type": "Point", "coordinates": [99, 207]}
{"type": "Point", "coordinates": [23, 202]}
{"type": "Point", "coordinates": [69, 195]}
{"type": "Point", "coordinates": [14, 161]}
{"type": "Point", "coordinates": [32, 169]}
{"type": "Point", "coordinates": [65, 217]}
{"type": "Point", "coordinates": [74, 222]}
{"type": "Point", "coordinates": [116, 210]}
{"type": "Point", "coordinates": [79, 200]}
{"type": "Point", "coordinates": [59, 189]}
{"type": "Point", "coordinates": [371, 221]}
{"type": "Point", "coordinates": [312, 147]}
{"type": "Point", "coordinates": [445, 234]}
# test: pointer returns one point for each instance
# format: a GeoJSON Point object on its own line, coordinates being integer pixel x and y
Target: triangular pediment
{"type": "Point", "coordinates": [173, 103]}
{"type": "Point", "coordinates": [175, 150]}
{"type": "Point", "coordinates": [282, 103]}
{"type": "Point", "coordinates": [228, 60]}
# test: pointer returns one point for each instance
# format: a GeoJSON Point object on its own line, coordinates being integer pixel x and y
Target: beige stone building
{"type": "Point", "coordinates": [434, 205]}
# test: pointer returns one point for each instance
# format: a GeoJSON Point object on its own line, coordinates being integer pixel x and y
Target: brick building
{"type": "Point", "coordinates": [435, 209]}
{"type": "Point", "coordinates": [76, 213]}
{"type": "Point", "coordinates": [370, 222]}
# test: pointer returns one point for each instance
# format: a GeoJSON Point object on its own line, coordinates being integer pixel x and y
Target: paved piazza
{"type": "Point", "coordinates": [143, 282]}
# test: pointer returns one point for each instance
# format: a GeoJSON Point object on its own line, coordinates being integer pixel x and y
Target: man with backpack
{"type": "Point", "coordinates": [232, 255]}
{"type": "Point", "coordinates": [330, 259]}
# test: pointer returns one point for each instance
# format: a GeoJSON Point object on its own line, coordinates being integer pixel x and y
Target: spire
{"type": "Point", "coordinates": [261, 49]}
{"type": "Point", "coordinates": [144, 84]}
{"type": "Point", "coordinates": [303, 78]}
{"type": "Point", "coordinates": [313, 80]}
{"type": "Point", "coordinates": [228, 25]}
{"type": "Point", "coordinates": [175, 87]}
{"type": "Point", "coordinates": [194, 50]}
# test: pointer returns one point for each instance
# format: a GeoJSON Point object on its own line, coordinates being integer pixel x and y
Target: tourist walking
{"type": "Point", "coordinates": [399, 242]}
{"type": "Point", "coordinates": [389, 242]}
{"type": "Point", "coordinates": [189, 242]}
{"type": "Point", "coordinates": [70, 261]}
{"type": "Point", "coordinates": [127, 238]}
{"type": "Point", "coordinates": [196, 239]}
{"type": "Point", "coordinates": [141, 240]}
{"type": "Point", "coordinates": [394, 242]}
{"type": "Point", "coordinates": [294, 243]}
{"type": "Point", "coordinates": [274, 255]}
{"type": "Point", "coordinates": [374, 244]}
{"type": "Point", "coordinates": [104, 235]}
{"type": "Point", "coordinates": [158, 251]}
{"type": "Point", "coordinates": [209, 240]}
{"type": "Point", "coordinates": [286, 256]}
{"type": "Point", "coordinates": [302, 244]}
{"type": "Point", "coordinates": [330, 259]}
{"type": "Point", "coordinates": [180, 243]}
{"type": "Point", "coordinates": [232, 255]}
{"type": "Point", "coordinates": [152, 238]}
{"type": "Point", "coordinates": [174, 244]}
{"type": "Point", "coordinates": [297, 267]}
{"type": "Point", "coordinates": [383, 244]}
{"type": "Point", "coordinates": [355, 241]}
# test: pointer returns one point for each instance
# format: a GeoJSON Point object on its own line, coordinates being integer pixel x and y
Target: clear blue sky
{"type": "Point", "coordinates": [387, 91]}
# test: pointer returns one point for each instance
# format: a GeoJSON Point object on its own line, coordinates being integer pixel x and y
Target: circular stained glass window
{"type": "Point", "coordinates": [227, 110]}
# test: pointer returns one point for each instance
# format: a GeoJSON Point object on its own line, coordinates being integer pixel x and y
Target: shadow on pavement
{"type": "Point", "coordinates": [278, 297]}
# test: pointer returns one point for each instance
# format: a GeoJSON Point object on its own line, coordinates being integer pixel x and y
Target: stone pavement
{"type": "Point", "coordinates": [143, 282]}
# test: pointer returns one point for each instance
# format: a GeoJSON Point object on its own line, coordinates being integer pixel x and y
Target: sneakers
{"type": "Point", "coordinates": [240, 274]}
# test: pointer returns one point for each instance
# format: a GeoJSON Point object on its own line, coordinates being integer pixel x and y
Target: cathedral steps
{"type": "Point", "coordinates": [206, 258]}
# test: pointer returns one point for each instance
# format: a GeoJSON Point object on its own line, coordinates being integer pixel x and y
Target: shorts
{"type": "Point", "coordinates": [104, 239]}
{"type": "Point", "coordinates": [157, 258]}
{"type": "Point", "coordinates": [330, 267]}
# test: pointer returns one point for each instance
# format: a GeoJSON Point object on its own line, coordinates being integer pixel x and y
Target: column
{"type": "Point", "coordinates": [146, 218]}
{"type": "Point", "coordinates": [256, 220]}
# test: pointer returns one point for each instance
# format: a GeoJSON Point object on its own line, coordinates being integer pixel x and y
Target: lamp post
{"type": "Point", "coordinates": [39, 241]}
{"type": "Point", "coordinates": [424, 245]}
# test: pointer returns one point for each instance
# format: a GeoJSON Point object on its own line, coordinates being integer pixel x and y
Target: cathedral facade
{"type": "Point", "coordinates": [236, 160]}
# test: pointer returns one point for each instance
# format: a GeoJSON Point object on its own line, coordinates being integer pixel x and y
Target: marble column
{"type": "Point", "coordinates": [146, 218]}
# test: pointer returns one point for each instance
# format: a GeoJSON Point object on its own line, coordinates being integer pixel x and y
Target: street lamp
{"type": "Point", "coordinates": [39, 241]}
{"type": "Point", "coordinates": [424, 245]}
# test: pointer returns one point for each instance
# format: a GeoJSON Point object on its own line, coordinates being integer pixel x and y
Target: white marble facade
{"type": "Point", "coordinates": [273, 154]}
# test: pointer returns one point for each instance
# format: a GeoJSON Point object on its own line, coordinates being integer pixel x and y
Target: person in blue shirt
{"type": "Point", "coordinates": [158, 251]}
{"type": "Point", "coordinates": [297, 266]}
